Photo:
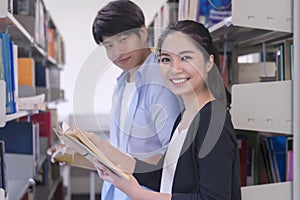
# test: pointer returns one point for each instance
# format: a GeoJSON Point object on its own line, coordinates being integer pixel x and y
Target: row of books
{"type": "Point", "coordinates": [265, 158]}
{"type": "Point", "coordinates": [24, 77]}
{"type": "Point", "coordinates": [34, 17]}
{"type": "Point", "coordinates": [208, 12]}
{"type": "Point", "coordinates": [168, 14]}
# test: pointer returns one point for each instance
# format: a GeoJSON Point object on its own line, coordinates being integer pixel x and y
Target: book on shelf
{"type": "Point", "coordinates": [8, 72]}
{"type": "Point", "coordinates": [284, 60]}
{"type": "Point", "coordinates": [26, 78]}
{"type": "Point", "coordinates": [24, 7]}
{"type": "Point", "coordinates": [21, 138]}
{"type": "Point", "coordinates": [51, 42]}
{"type": "Point", "coordinates": [1, 61]}
{"type": "Point", "coordinates": [242, 146]}
{"type": "Point", "coordinates": [279, 151]}
{"type": "Point", "coordinates": [40, 18]}
{"type": "Point", "coordinates": [26, 71]}
{"type": "Point", "coordinates": [170, 13]}
{"type": "Point", "coordinates": [13, 76]}
{"type": "Point", "coordinates": [224, 69]}
{"type": "Point", "coordinates": [188, 9]}
{"type": "Point", "coordinates": [288, 59]}
{"type": "Point", "coordinates": [289, 159]}
{"type": "Point", "coordinates": [91, 147]}
{"type": "Point", "coordinates": [253, 156]}
{"type": "Point", "coordinates": [42, 80]}
{"type": "Point", "coordinates": [16, 75]}
{"type": "Point", "coordinates": [43, 119]}
{"type": "Point", "coordinates": [59, 50]}
{"type": "Point", "coordinates": [212, 12]}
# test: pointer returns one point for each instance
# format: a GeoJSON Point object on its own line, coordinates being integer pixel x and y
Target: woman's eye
{"type": "Point", "coordinates": [185, 58]}
{"type": "Point", "coordinates": [162, 60]}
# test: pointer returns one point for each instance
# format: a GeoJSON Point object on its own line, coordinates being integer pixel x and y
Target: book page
{"type": "Point", "coordinates": [102, 151]}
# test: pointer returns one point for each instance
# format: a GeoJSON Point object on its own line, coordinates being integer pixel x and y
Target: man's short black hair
{"type": "Point", "coordinates": [116, 17]}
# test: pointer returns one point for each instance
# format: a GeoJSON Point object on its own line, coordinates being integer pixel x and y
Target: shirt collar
{"type": "Point", "coordinates": [140, 73]}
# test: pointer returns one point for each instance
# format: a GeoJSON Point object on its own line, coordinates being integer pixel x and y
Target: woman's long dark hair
{"type": "Point", "coordinates": [203, 41]}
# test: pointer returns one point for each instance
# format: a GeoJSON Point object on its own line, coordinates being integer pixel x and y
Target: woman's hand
{"type": "Point", "coordinates": [130, 187]}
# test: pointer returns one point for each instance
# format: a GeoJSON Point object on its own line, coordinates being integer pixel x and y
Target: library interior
{"type": "Point", "coordinates": [57, 85]}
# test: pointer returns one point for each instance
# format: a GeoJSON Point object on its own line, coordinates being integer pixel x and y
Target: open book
{"type": "Point", "coordinates": [82, 148]}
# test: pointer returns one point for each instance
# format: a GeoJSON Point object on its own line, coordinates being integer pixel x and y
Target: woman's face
{"type": "Point", "coordinates": [183, 66]}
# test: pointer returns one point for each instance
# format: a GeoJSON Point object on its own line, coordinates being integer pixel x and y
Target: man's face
{"type": "Point", "coordinates": [125, 49]}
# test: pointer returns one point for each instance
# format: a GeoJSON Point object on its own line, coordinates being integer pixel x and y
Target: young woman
{"type": "Point", "coordinates": [202, 159]}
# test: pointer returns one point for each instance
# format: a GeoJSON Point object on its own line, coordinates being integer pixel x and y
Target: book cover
{"type": "Point", "coordinates": [266, 160]}
{"type": "Point", "coordinates": [20, 138]}
{"type": "Point", "coordinates": [13, 76]}
{"type": "Point", "coordinates": [43, 119]}
{"type": "Point", "coordinates": [253, 152]}
{"type": "Point", "coordinates": [1, 61]}
{"type": "Point", "coordinates": [242, 146]}
{"type": "Point", "coordinates": [289, 159]}
{"type": "Point", "coordinates": [51, 42]}
{"type": "Point", "coordinates": [15, 67]}
{"type": "Point", "coordinates": [91, 147]}
{"type": "Point", "coordinates": [279, 151]}
{"type": "Point", "coordinates": [272, 160]}
{"type": "Point", "coordinates": [41, 75]}
{"type": "Point", "coordinates": [26, 67]}
{"type": "Point", "coordinates": [288, 59]}
{"type": "Point", "coordinates": [26, 78]}
{"type": "Point", "coordinates": [7, 69]}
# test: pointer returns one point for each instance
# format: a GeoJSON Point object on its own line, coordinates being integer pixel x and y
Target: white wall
{"type": "Point", "coordinates": [74, 21]}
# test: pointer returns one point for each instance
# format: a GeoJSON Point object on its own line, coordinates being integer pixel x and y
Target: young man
{"type": "Point", "coordinates": [143, 109]}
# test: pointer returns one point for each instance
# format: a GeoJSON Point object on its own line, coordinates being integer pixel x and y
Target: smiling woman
{"type": "Point", "coordinates": [180, 67]}
{"type": "Point", "coordinates": [203, 137]}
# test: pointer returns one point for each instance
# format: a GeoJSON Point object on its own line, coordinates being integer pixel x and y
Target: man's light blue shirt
{"type": "Point", "coordinates": [150, 118]}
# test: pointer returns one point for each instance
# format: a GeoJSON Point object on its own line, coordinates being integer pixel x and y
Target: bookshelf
{"type": "Point", "coordinates": [273, 107]}
{"type": "Point", "coordinates": [31, 36]}
{"type": "Point", "coordinates": [257, 106]}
